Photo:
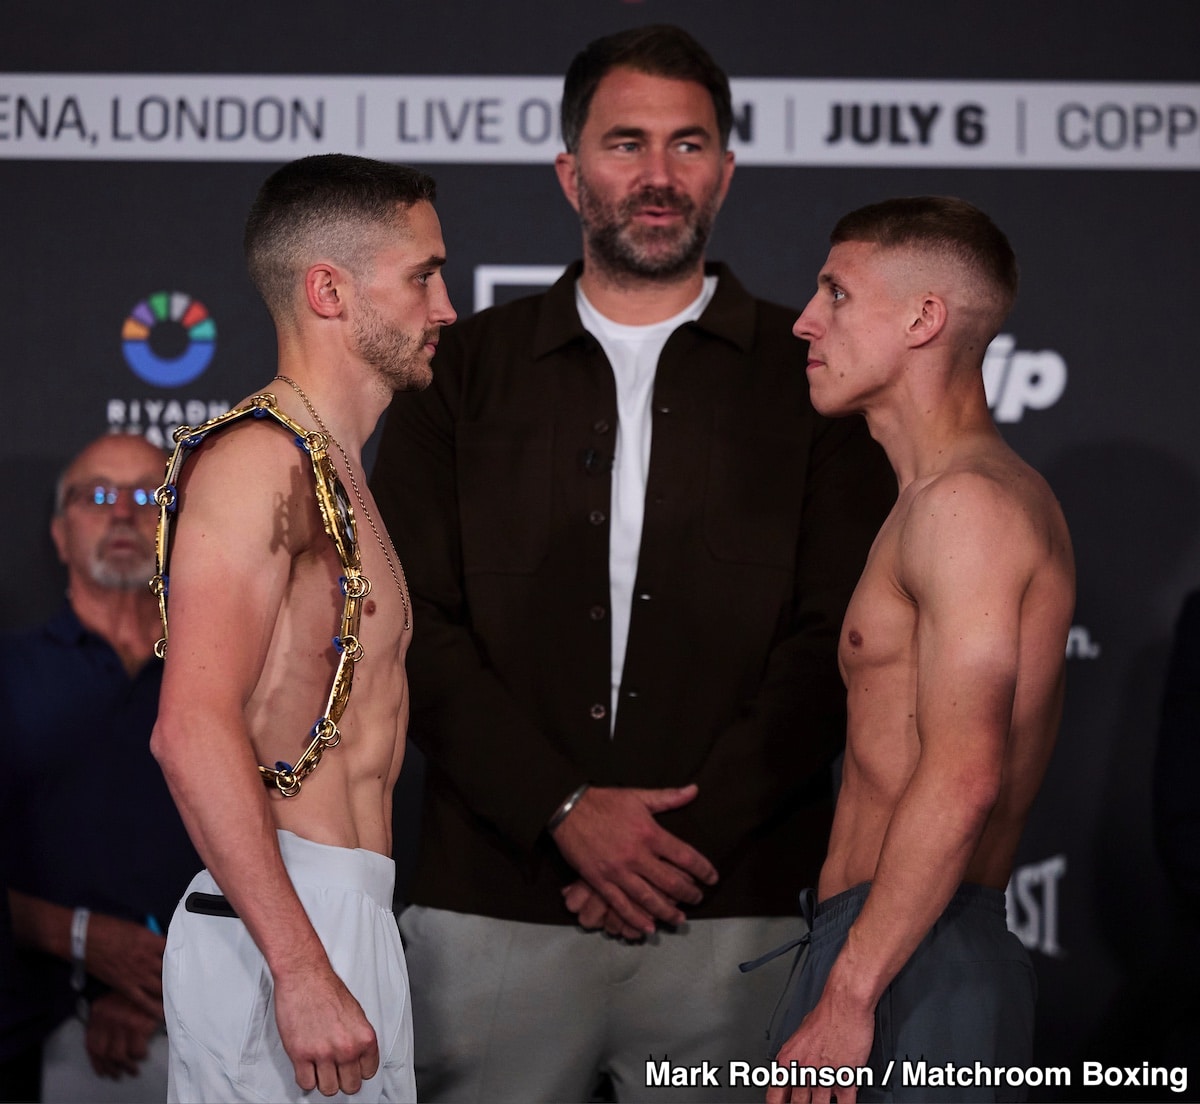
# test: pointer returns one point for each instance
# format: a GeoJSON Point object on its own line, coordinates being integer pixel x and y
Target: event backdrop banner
{"type": "Point", "coordinates": [132, 142]}
{"type": "Point", "coordinates": [499, 120]}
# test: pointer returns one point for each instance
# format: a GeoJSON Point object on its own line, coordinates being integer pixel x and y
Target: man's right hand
{"type": "Point", "coordinates": [593, 914]}
{"type": "Point", "coordinates": [331, 1043]}
{"type": "Point", "coordinates": [641, 870]}
{"type": "Point", "coordinates": [118, 1035]}
{"type": "Point", "coordinates": [128, 957]}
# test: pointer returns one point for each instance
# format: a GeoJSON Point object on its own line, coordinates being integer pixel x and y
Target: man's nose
{"type": "Point", "coordinates": [657, 168]}
{"type": "Point", "coordinates": [443, 313]}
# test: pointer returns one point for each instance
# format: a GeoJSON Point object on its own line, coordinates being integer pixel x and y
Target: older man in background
{"type": "Point", "coordinates": [96, 855]}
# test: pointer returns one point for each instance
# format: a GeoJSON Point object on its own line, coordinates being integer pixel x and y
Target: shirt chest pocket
{"type": "Point", "coordinates": [754, 498]}
{"type": "Point", "coordinates": [505, 474]}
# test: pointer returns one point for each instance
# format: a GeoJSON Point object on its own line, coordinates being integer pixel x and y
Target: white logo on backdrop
{"type": "Point", "coordinates": [1016, 380]}
{"type": "Point", "coordinates": [1032, 904]}
{"type": "Point", "coordinates": [528, 277]}
{"type": "Point", "coordinates": [1080, 644]}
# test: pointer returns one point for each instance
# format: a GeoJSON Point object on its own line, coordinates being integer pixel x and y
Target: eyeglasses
{"type": "Point", "coordinates": [106, 494]}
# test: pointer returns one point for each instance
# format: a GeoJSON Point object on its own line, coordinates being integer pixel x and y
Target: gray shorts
{"type": "Point", "coordinates": [513, 1013]}
{"type": "Point", "coordinates": [219, 997]}
{"type": "Point", "coordinates": [965, 996]}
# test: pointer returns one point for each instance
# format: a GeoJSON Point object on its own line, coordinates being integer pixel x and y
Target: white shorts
{"type": "Point", "coordinates": [219, 995]}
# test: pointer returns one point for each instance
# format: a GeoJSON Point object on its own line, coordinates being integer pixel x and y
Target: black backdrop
{"type": "Point", "coordinates": [1097, 187]}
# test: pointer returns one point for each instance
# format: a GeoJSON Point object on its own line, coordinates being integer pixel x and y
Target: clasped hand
{"type": "Point", "coordinates": [633, 872]}
{"type": "Point", "coordinates": [118, 1035]}
{"type": "Point", "coordinates": [128, 957]}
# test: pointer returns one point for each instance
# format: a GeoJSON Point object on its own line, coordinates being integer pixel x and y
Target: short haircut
{"type": "Point", "coordinates": [945, 226]}
{"type": "Point", "coordinates": [659, 50]}
{"type": "Point", "coordinates": [323, 207]}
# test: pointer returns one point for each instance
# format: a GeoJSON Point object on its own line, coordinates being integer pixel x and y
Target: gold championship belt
{"type": "Point", "coordinates": [337, 516]}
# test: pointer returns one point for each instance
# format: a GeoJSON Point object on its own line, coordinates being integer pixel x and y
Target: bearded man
{"type": "Point", "coordinates": [631, 541]}
{"type": "Point", "coordinates": [97, 855]}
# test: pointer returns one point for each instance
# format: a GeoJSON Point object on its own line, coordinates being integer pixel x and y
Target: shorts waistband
{"type": "Point", "coordinates": [354, 869]}
{"type": "Point", "coordinates": [968, 895]}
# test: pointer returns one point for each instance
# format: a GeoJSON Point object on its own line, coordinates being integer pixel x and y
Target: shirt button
{"type": "Point", "coordinates": [598, 712]}
{"type": "Point", "coordinates": [630, 693]}
{"type": "Point", "coordinates": [600, 425]}
{"type": "Point", "coordinates": [597, 517]}
{"type": "Point", "coordinates": [663, 408]}
{"type": "Point", "coordinates": [597, 613]}
{"type": "Point", "coordinates": [645, 597]}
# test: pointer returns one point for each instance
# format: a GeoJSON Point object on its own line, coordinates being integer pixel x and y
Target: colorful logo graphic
{"type": "Point", "coordinates": [169, 339]}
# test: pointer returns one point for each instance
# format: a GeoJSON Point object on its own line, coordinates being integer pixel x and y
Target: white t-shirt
{"type": "Point", "coordinates": [633, 352]}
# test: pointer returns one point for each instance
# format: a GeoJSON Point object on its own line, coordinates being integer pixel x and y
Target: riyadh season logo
{"type": "Point", "coordinates": [169, 339]}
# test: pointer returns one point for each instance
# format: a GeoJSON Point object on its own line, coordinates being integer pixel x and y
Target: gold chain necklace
{"type": "Point", "coordinates": [396, 568]}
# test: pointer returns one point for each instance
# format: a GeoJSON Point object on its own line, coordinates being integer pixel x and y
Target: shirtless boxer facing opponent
{"type": "Point", "coordinates": [952, 651]}
{"type": "Point", "coordinates": [283, 971]}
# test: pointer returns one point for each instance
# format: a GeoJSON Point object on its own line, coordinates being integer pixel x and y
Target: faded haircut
{"type": "Point", "coordinates": [323, 207]}
{"type": "Point", "coordinates": [944, 226]}
{"type": "Point", "coordinates": [659, 50]}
